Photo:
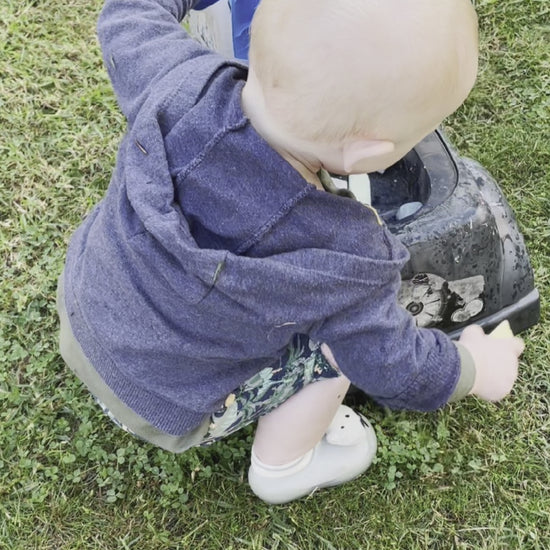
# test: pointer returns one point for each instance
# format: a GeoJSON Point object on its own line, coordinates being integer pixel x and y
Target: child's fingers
{"type": "Point", "coordinates": [471, 333]}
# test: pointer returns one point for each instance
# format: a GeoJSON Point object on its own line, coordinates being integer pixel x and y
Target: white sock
{"type": "Point", "coordinates": [281, 470]}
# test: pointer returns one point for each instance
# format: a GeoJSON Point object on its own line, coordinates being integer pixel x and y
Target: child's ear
{"type": "Point", "coordinates": [356, 151]}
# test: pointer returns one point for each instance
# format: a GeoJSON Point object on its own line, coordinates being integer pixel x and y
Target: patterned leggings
{"type": "Point", "coordinates": [303, 364]}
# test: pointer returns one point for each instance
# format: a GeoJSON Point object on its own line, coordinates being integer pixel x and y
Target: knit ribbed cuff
{"type": "Point", "coordinates": [467, 374]}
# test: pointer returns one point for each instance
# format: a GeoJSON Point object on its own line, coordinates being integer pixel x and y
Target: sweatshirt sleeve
{"type": "Point", "coordinates": [373, 339]}
{"type": "Point", "coordinates": [378, 347]}
{"type": "Point", "coordinates": [142, 41]}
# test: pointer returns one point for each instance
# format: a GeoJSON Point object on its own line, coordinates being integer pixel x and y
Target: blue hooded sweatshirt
{"type": "Point", "coordinates": [210, 253]}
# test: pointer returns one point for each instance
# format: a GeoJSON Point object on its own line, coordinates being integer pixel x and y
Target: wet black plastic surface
{"type": "Point", "coordinates": [468, 259]}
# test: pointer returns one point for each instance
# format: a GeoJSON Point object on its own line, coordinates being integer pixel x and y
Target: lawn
{"type": "Point", "coordinates": [471, 476]}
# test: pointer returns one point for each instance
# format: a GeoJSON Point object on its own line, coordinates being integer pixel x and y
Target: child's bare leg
{"type": "Point", "coordinates": [308, 442]}
{"type": "Point", "coordinates": [296, 426]}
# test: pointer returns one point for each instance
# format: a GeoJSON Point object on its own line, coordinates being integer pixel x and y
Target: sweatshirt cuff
{"type": "Point", "coordinates": [467, 374]}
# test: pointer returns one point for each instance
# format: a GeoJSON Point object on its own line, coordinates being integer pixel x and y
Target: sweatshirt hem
{"type": "Point", "coordinates": [173, 420]}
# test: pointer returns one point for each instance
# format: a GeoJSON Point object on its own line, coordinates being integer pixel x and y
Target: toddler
{"type": "Point", "coordinates": [218, 283]}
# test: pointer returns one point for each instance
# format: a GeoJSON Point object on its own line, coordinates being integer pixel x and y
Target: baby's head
{"type": "Point", "coordinates": [357, 83]}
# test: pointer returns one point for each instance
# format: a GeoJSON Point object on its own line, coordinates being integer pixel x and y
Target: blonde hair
{"type": "Point", "coordinates": [331, 70]}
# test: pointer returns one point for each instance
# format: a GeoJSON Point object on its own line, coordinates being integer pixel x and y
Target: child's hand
{"type": "Point", "coordinates": [496, 360]}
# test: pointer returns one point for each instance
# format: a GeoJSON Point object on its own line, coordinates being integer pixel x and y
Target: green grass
{"type": "Point", "coordinates": [473, 476]}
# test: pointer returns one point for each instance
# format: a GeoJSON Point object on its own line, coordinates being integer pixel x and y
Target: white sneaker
{"type": "Point", "coordinates": [344, 453]}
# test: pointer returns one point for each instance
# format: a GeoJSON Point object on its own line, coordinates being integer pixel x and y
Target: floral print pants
{"type": "Point", "coordinates": [303, 364]}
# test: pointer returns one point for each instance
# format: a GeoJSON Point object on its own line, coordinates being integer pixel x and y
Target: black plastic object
{"type": "Point", "coordinates": [468, 259]}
